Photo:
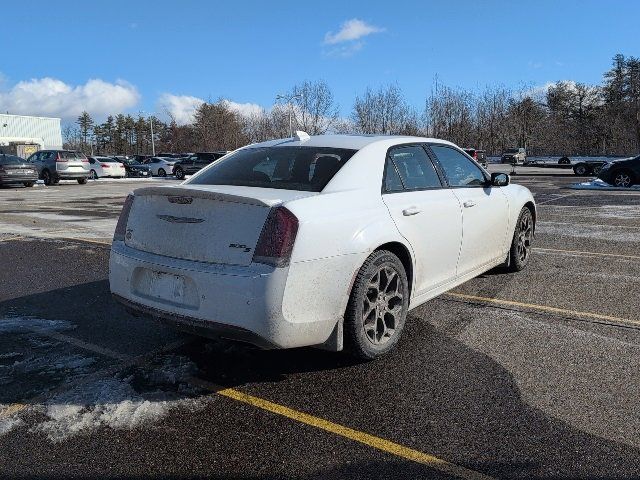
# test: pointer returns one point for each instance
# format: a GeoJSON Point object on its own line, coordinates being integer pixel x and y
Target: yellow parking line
{"type": "Point", "coordinates": [596, 254]}
{"type": "Point", "coordinates": [8, 239]}
{"type": "Point", "coordinates": [546, 308]}
{"type": "Point", "coordinates": [349, 433]}
{"type": "Point", "coordinates": [12, 409]}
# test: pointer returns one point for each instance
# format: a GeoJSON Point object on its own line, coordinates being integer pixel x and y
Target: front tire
{"type": "Point", "coordinates": [377, 308]}
{"type": "Point", "coordinates": [46, 178]}
{"type": "Point", "coordinates": [82, 181]}
{"type": "Point", "coordinates": [580, 169]}
{"type": "Point", "coordinates": [179, 173]}
{"type": "Point", "coordinates": [623, 178]}
{"type": "Point", "coordinates": [162, 172]}
{"type": "Point", "coordinates": [520, 252]}
{"type": "Point", "coordinates": [29, 184]}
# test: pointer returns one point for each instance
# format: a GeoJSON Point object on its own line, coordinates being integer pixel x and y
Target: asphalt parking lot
{"type": "Point", "coordinates": [532, 375]}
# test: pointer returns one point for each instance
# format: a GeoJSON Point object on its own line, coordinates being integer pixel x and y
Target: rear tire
{"type": "Point", "coordinates": [93, 175]}
{"type": "Point", "coordinates": [162, 172]}
{"type": "Point", "coordinates": [29, 184]}
{"type": "Point", "coordinates": [520, 251]}
{"type": "Point", "coordinates": [564, 161]}
{"type": "Point", "coordinates": [82, 181]}
{"type": "Point", "coordinates": [623, 178]}
{"type": "Point", "coordinates": [377, 308]}
{"type": "Point", "coordinates": [580, 169]}
{"type": "Point", "coordinates": [179, 173]}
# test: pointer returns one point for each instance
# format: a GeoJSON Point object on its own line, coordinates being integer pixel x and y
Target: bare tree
{"type": "Point", "coordinates": [314, 108]}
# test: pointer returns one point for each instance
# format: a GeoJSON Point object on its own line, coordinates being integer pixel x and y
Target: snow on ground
{"type": "Point", "coordinates": [616, 233]}
{"type": "Point", "coordinates": [597, 184]}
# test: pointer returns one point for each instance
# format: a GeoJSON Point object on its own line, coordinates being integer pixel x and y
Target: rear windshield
{"type": "Point", "coordinates": [10, 160]}
{"type": "Point", "coordinates": [287, 168]}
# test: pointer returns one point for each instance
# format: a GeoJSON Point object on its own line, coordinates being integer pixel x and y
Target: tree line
{"type": "Point", "coordinates": [565, 118]}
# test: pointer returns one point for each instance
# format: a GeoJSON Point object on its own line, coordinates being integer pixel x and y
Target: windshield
{"type": "Point", "coordinates": [10, 160]}
{"type": "Point", "coordinates": [288, 168]}
{"type": "Point", "coordinates": [511, 150]}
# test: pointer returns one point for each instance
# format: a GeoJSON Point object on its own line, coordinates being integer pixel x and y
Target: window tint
{"type": "Point", "coordinates": [10, 160]}
{"type": "Point", "coordinates": [459, 170]}
{"type": "Point", "coordinates": [415, 167]}
{"type": "Point", "coordinates": [392, 182]}
{"type": "Point", "coordinates": [288, 168]}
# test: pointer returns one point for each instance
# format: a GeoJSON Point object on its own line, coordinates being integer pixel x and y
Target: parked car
{"type": "Point", "coordinates": [515, 156]}
{"type": "Point", "coordinates": [325, 240]}
{"type": "Point", "coordinates": [588, 167]}
{"type": "Point", "coordinates": [195, 163]}
{"type": "Point", "coordinates": [105, 167]}
{"type": "Point", "coordinates": [135, 168]}
{"type": "Point", "coordinates": [17, 171]}
{"type": "Point", "coordinates": [56, 165]}
{"type": "Point", "coordinates": [159, 166]}
{"type": "Point", "coordinates": [621, 173]}
{"type": "Point", "coordinates": [479, 156]}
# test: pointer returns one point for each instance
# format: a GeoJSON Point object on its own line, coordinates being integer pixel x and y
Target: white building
{"type": "Point", "coordinates": [21, 129]}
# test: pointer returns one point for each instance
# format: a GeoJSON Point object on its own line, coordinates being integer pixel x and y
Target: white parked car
{"type": "Point", "coordinates": [105, 167]}
{"type": "Point", "coordinates": [325, 241]}
{"type": "Point", "coordinates": [161, 166]}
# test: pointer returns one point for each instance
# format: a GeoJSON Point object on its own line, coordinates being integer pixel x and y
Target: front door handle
{"type": "Point", "coordinates": [469, 204]}
{"type": "Point", "coordinates": [411, 211]}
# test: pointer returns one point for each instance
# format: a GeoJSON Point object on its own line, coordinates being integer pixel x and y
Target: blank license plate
{"type": "Point", "coordinates": [167, 286]}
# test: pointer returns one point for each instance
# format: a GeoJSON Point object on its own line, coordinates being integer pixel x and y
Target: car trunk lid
{"type": "Point", "coordinates": [214, 224]}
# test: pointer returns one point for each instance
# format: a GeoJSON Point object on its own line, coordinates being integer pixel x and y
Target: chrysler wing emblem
{"type": "Point", "coordinates": [172, 219]}
{"type": "Point", "coordinates": [180, 200]}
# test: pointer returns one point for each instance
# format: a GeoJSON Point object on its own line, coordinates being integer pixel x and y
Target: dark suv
{"type": "Point", "coordinates": [621, 173]}
{"type": "Point", "coordinates": [56, 165]}
{"type": "Point", "coordinates": [195, 163]}
{"type": "Point", "coordinates": [479, 156]}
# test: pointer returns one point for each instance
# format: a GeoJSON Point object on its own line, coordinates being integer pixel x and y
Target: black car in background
{"type": "Point", "coordinates": [479, 156]}
{"type": "Point", "coordinates": [15, 171]}
{"type": "Point", "coordinates": [621, 173]}
{"type": "Point", "coordinates": [195, 163]}
{"type": "Point", "coordinates": [133, 167]}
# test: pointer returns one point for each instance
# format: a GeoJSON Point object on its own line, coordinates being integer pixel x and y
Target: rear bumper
{"type": "Point", "coordinates": [238, 303]}
{"type": "Point", "coordinates": [62, 175]}
{"type": "Point", "coordinates": [16, 179]}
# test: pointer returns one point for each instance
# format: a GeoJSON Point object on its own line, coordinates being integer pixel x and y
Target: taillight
{"type": "Point", "coordinates": [61, 160]}
{"type": "Point", "coordinates": [85, 160]}
{"type": "Point", "coordinates": [475, 155]}
{"type": "Point", "coordinates": [277, 238]}
{"type": "Point", "coordinates": [105, 165]}
{"type": "Point", "coordinates": [121, 227]}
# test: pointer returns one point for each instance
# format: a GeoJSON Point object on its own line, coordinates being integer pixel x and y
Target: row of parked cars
{"type": "Point", "coordinates": [51, 166]}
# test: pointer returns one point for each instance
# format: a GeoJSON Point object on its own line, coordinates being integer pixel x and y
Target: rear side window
{"type": "Point", "coordinates": [414, 167]}
{"type": "Point", "coordinates": [288, 168]}
{"type": "Point", "coordinates": [459, 170]}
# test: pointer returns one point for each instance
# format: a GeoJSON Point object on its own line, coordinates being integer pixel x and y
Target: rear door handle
{"type": "Point", "coordinates": [469, 204]}
{"type": "Point", "coordinates": [411, 211]}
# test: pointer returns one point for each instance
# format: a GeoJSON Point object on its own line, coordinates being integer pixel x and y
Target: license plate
{"type": "Point", "coordinates": [167, 286]}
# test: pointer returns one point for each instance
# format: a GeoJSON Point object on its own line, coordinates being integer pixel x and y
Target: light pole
{"type": "Point", "coordinates": [153, 142]}
{"type": "Point", "coordinates": [289, 98]}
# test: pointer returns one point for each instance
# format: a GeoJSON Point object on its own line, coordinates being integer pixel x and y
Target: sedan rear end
{"type": "Point", "coordinates": [15, 171]}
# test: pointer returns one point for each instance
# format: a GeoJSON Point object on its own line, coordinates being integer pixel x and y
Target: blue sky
{"type": "Point", "coordinates": [63, 56]}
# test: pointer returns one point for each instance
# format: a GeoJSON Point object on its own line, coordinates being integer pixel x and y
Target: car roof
{"type": "Point", "coordinates": [353, 142]}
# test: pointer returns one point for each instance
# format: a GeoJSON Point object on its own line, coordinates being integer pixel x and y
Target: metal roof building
{"type": "Point", "coordinates": [43, 131]}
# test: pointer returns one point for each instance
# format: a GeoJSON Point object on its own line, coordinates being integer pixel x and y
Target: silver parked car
{"type": "Point", "coordinates": [56, 165]}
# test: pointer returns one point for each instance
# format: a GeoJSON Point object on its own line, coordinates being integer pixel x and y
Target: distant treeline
{"type": "Point", "coordinates": [565, 118]}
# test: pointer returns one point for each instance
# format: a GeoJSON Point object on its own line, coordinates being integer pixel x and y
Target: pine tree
{"type": "Point", "coordinates": [85, 123]}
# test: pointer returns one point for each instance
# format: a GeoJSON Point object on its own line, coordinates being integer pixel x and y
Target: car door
{"type": "Point", "coordinates": [485, 209]}
{"type": "Point", "coordinates": [428, 215]}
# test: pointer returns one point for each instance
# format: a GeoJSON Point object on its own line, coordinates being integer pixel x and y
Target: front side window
{"type": "Point", "coordinates": [289, 168]}
{"type": "Point", "coordinates": [459, 170]}
{"type": "Point", "coordinates": [414, 167]}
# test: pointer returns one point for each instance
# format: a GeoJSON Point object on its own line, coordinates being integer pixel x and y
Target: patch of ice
{"type": "Point", "coordinates": [27, 325]}
{"type": "Point", "coordinates": [597, 184]}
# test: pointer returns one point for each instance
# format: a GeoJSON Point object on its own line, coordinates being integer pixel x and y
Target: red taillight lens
{"type": "Point", "coordinates": [475, 155]}
{"type": "Point", "coordinates": [121, 227]}
{"type": "Point", "coordinates": [85, 160]}
{"type": "Point", "coordinates": [277, 238]}
{"type": "Point", "coordinates": [105, 165]}
{"type": "Point", "coordinates": [61, 160]}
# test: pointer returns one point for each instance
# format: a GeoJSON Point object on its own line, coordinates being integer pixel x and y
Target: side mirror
{"type": "Point", "coordinates": [500, 179]}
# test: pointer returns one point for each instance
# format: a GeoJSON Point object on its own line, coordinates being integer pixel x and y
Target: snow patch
{"type": "Point", "coordinates": [597, 184]}
{"type": "Point", "coordinates": [8, 424]}
{"type": "Point", "coordinates": [27, 325]}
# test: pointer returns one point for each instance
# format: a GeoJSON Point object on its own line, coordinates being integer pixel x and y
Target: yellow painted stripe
{"type": "Point", "coordinates": [12, 409]}
{"type": "Point", "coordinates": [8, 239]}
{"type": "Point", "coordinates": [545, 308]}
{"type": "Point", "coordinates": [356, 436]}
{"type": "Point", "coordinates": [596, 254]}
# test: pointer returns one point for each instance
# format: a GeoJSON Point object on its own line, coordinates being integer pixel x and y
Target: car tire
{"type": "Point", "coordinates": [93, 175]}
{"type": "Point", "coordinates": [564, 161]}
{"type": "Point", "coordinates": [162, 172]}
{"type": "Point", "coordinates": [179, 173]}
{"type": "Point", "coordinates": [46, 177]}
{"type": "Point", "coordinates": [520, 251]}
{"type": "Point", "coordinates": [29, 184]}
{"type": "Point", "coordinates": [82, 181]}
{"type": "Point", "coordinates": [623, 178]}
{"type": "Point", "coordinates": [373, 326]}
{"type": "Point", "coordinates": [580, 169]}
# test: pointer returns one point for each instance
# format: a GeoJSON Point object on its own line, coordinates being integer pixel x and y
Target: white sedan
{"type": "Point", "coordinates": [105, 167]}
{"type": "Point", "coordinates": [325, 241]}
{"type": "Point", "coordinates": [161, 166]}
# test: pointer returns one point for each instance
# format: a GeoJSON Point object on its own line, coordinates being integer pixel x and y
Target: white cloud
{"type": "Point", "coordinates": [351, 30]}
{"type": "Point", "coordinates": [55, 98]}
{"type": "Point", "coordinates": [180, 107]}
{"type": "Point", "coordinates": [244, 109]}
